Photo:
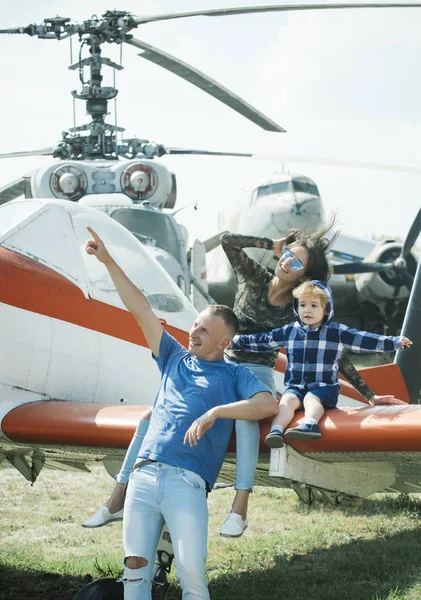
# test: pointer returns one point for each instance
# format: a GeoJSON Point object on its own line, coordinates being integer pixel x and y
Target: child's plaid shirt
{"type": "Point", "coordinates": [313, 354]}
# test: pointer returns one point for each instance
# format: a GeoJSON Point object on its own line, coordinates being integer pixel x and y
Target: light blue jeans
{"type": "Point", "coordinates": [156, 493]}
{"type": "Point", "coordinates": [248, 435]}
{"type": "Point", "coordinates": [247, 440]}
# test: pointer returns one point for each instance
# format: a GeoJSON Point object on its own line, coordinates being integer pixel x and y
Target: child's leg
{"type": "Point", "coordinates": [313, 409]}
{"type": "Point", "coordinates": [288, 405]}
{"type": "Point", "coordinates": [315, 403]}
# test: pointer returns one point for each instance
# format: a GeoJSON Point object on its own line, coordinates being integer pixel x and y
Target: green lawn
{"type": "Point", "coordinates": [288, 552]}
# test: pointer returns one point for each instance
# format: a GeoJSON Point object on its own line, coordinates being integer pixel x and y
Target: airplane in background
{"type": "Point", "coordinates": [371, 281]}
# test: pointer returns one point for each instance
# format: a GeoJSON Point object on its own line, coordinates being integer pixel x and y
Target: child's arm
{"type": "Point", "coordinates": [262, 342]}
{"type": "Point", "coordinates": [365, 341]}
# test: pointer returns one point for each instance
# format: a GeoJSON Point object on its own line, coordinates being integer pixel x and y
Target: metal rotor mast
{"type": "Point", "coordinates": [115, 26]}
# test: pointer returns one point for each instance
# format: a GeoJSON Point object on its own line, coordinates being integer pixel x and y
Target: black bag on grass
{"type": "Point", "coordinates": [103, 589]}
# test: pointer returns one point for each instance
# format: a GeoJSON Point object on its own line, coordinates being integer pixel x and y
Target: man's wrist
{"type": "Point", "coordinates": [214, 413]}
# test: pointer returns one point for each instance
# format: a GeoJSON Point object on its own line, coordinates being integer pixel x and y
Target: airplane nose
{"type": "Point", "coordinates": [306, 212]}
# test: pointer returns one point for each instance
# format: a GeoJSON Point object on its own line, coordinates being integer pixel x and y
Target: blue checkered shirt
{"type": "Point", "coordinates": [313, 354]}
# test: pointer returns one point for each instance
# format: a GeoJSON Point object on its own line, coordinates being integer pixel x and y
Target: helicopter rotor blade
{"type": "Point", "coordinates": [336, 162]}
{"type": "Point", "coordinates": [412, 236]}
{"type": "Point", "coordinates": [170, 150]}
{"type": "Point", "coordinates": [359, 267]}
{"type": "Point", "coordinates": [42, 152]}
{"type": "Point", "coordinates": [242, 10]}
{"type": "Point", "coordinates": [205, 83]}
{"type": "Point", "coordinates": [12, 190]}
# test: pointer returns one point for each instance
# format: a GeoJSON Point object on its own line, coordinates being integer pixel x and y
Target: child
{"type": "Point", "coordinates": [314, 344]}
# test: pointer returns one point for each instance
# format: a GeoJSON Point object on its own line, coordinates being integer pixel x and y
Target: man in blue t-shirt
{"type": "Point", "coordinates": [199, 397]}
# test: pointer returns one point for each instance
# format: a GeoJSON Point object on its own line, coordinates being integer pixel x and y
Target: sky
{"type": "Point", "coordinates": [344, 84]}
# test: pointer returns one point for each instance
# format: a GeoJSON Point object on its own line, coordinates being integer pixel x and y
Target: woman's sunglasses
{"type": "Point", "coordinates": [295, 264]}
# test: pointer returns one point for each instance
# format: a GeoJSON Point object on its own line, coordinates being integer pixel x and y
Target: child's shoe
{"type": "Point", "coordinates": [304, 431]}
{"type": "Point", "coordinates": [274, 439]}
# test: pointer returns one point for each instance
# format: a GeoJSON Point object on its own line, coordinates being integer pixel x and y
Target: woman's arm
{"type": "Point", "coordinates": [350, 373]}
{"type": "Point", "coordinates": [233, 245]}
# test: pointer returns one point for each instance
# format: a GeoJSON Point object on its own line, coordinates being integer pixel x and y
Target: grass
{"type": "Point", "coordinates": [288, 551]}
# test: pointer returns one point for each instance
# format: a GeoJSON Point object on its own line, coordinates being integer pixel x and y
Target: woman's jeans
{"type": "Point", "coordinates": [132, 452]}
{"type": "Point", "coordinates": [247, 440]}
{"type": "Point", "coordinates": [158, 492]}
{"type": "Point", "coordinates": [248, 435]}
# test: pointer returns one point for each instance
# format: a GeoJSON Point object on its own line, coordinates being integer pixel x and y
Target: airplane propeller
{"type": "Point", "coordinates": [398, 265]}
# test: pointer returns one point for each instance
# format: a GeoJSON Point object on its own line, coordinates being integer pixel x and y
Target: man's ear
{"type": "Point", "coordinates": [225, 343]}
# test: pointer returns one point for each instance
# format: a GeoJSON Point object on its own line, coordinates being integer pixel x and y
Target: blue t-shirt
{"type": "Point", "coordinates": [190, 387]}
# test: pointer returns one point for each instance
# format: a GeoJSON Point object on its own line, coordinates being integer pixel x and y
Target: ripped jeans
{"type": "Point", "coordinates": [156, 493]}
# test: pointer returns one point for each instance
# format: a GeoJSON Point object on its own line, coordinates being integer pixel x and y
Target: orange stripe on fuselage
{"type": "Point", "coordinates": [29, 285]}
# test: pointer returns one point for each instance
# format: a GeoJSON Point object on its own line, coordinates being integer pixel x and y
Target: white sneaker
{"type": "Point", "coordinates": [234, 526]}
{"type": "Point", "coordinates": [103, 517]}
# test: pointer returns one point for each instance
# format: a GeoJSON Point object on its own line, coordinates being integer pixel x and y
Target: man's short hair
{"type": "Point", "coordinates": [310, 289]}
{"type": "Point", "coordinates": [226, 314]}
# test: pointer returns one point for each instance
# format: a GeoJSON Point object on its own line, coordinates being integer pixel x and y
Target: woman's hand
{"type": "Point", "coordinates": [278, 245]}
{"type": "Point", "coordinates": [385, 401]}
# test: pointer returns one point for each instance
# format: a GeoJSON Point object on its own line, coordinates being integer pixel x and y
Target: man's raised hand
{"type": "Point", "coordinates": [96, 247]}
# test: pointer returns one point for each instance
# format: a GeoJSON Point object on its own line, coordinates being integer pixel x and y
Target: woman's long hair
{"type": "Point", "coordinates": [316, 244]}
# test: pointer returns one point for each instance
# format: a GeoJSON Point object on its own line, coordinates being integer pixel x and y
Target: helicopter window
{"type": "Point", "coordinates": [306, 187]}
{"type": "Point", "coordinates": [13, 213]}
{"type": "Point", "coordinates": [150, 226]}
{"type": "Point", "coordinates": [274, 188]}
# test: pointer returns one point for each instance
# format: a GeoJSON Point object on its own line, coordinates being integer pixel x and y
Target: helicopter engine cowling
{"type": "Point", "coordinates": [139, 179]}
{"type": "Point", "coordinates": [386, 289]}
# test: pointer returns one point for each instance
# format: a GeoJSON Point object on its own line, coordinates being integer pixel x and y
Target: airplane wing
{"type": "Point", "coordinates": [349, 248]}
{"type": "Point", "coordinates": [66, 435]}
